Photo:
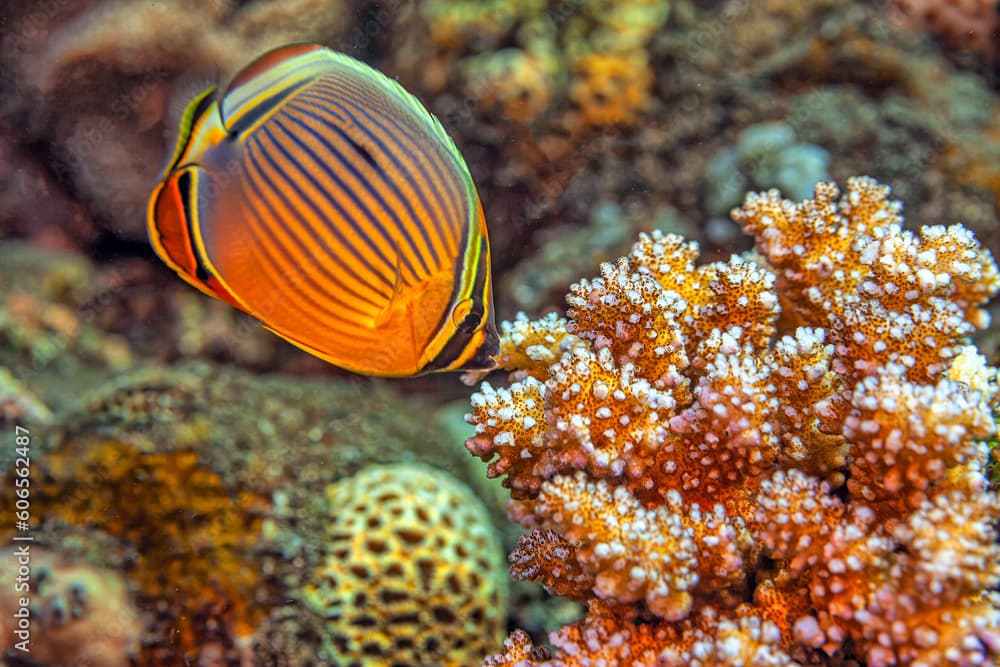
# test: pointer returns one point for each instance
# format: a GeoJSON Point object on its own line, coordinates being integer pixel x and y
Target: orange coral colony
{"type": "Point", "coordinates": [775, 460]}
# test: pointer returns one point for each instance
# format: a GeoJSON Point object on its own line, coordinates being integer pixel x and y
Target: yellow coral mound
{"type": "Point", "coordinates": [775, 460]}
{"type": "Point", "coordinates": [587, 63]}
{"type": "Point", "coordinates": [414, 574]}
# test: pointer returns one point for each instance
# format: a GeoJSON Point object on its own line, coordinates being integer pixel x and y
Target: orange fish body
{"type": "Point", "coordinates": [320, 197]}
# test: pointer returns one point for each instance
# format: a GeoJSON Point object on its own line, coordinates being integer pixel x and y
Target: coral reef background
{"type": "Point", "coordinates": [583, 121]}
{"type": "Point", "coordinates": [187, 463]}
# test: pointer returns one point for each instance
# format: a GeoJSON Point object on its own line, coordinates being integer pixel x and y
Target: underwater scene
{"type": "Point", "coordinates": [499, 333]}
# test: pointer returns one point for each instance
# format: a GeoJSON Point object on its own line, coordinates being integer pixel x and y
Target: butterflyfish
{"type": "Point", "coordinates": [316, 194]}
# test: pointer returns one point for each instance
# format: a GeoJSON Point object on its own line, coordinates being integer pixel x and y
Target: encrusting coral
{"type": "Point", "coordinates": [775, 460]}
{"type": "Point", "coordinates": [182, 483]}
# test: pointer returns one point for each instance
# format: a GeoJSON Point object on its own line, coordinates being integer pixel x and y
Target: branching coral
{"type": "Point", "coordinates": [884, 294]}
{"type": "Point", "coordinates": [773, 460]}
{"type": "Point", "coordinates": [613, 635]}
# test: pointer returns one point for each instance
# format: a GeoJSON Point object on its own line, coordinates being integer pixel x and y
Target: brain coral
{"type": "Point", "coordinates": [414, 573]}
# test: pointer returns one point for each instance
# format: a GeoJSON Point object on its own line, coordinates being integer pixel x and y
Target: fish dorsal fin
{"type": "Point", "coordinates": [394, 88]}
{"type": "Point", "coordinates": [261, 87]}
{"type": "Point", "coordinates": [409, 101]}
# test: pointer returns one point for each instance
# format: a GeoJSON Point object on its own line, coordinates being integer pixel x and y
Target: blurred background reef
{"type": "Point", "coordinates": [189, 469]}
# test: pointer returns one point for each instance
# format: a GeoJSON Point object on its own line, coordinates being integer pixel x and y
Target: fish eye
{"type": "Point", "coordinates": [467, 315]}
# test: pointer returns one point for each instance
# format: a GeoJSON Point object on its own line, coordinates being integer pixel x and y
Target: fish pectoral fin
{"type": "Point", "coordinates": [397, 292]}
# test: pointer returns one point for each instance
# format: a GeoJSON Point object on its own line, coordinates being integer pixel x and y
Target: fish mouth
{"type": "Point", "coordinates": [485, 358]}
{"type": "Point", "coordinates": [485, 342]}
